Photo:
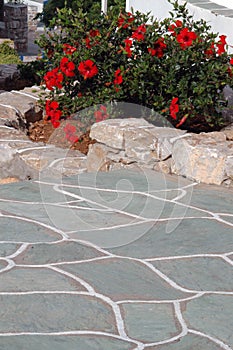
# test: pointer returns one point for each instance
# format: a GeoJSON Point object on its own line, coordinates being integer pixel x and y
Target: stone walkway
{"type": "Point", "coordinates": [119, 260]}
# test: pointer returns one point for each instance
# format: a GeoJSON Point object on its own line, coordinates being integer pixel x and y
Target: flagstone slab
{"type": "Point", "coordinates": [127, 279]}
{"type": "Point", "coordinates": [45, 313]}
{"type": "Point", "coordinates": [212, 315]}
{"type": "Point", "coordinates": [158, 322]}
{"type": "Point", "coordinates": [8, 249]}
{"type": "Point", "coordinates": [43, 253]}
{"type": "Point", "coordinates": [3, 264]}
{"type": "Point", "coordinates": [21, 279]}
{"type": "Point", "coordinates": [206, 200]}
{"type": "Point", "coordinates": [69, 342]}
{"type": "Point", "coordinates": [188, 342]}
{"type": "Point", "coordinates": [197, 273]}
{"type": "Point", "coordinates": [191, 236]}
{"type": "Point", "coordinates": [12, 230]}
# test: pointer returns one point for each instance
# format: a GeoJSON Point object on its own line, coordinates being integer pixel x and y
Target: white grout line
{"type": "Point", "coordinates": [215, 340]}
{"type": "Point", "coordinates": [25, 94]}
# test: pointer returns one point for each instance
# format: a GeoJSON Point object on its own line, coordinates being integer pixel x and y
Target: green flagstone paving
{"type": "Point", "coordinates": [116, 261]}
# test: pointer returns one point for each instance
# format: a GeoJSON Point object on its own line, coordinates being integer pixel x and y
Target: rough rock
{"type": "Point", "coordinates": [228, 131]}
{"type": "Point", "coordinates": [19, 108]}
{"type": "Point", "coordinates": [203, 157]}
{"type": "Point", "coordinates": [103, 132]}
{"type": "Point", "coordinates": [150, 145]}
{"type": "Point", "coordinates": [23, 159]}
{"type": "Point", "coordinates": [136, 141]}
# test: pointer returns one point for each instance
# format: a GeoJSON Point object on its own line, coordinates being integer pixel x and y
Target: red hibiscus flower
{"type": "Point", "coordinates": [88, 42]}
{"type": "Point", "coordinates": [185, 38]}
{"type": "Point", "coordinates": [221, 45]}
{"type": "Point", "coordinates": [101, 114]}
{"type": "Point", "coordinates": [68, 49]}
{"type": "Point", "coordinates": [94, 33]}
{"type": "Point", "coordinates": [52, 112]}
{"type": "Point", "coordinates": [174, 108]}
{"type": "Point", "coordinates": [139, 33]}
{"type": "Point", "coordinates": [158, 49]}
{"type": "Point", "coordinates": [70, 131]}
{"type": "Point", "coordinates": [231, 61]}
{"type": "Point", "coordinates": [118, 77]}
{"type": "Point", "coordinates": [125, 20]}
{"type": "Point", "coordinates": [172, 27]}
{"type": "Point", "coordinates": [128, 43]}
{"type": "Point", "coordinates": [53, 78]}
{"type": "Point", "coordinates": [67, 67]}
{"type": "Point", "coordinates": [211, 50]}
{"type": "Point", "coordinates": [87, 69]}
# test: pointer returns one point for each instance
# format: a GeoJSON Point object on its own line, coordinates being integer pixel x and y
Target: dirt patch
{"type": "Point", "coordinates": [43, 131]}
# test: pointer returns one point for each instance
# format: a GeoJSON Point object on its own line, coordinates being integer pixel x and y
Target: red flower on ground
{"type": "Point", "coordinates": [52, 112]}
{"type": "Point", "coordinates": [211, 50]}
{"type": "Point", "coordinates": [53, 78]}
{"type": "Point", "coordinates": [139, 33]}
{"type": "Point", "coordinates": [68, 49]}
{"type": "Point", "coordinates": [172, 27]}
{"type": "Point", "coordinates": [125, 20]}
{"type": "Point", "coordinates": [159, 47]}
{"type": "Point", "coordinates": [70, 131]}
{"type": "Point", "coordinates": [87, 69]}
{"type": "Point", "coordinates": [221, 45]}
{"type": "Point", "coordinates": [101, 114]}
{"type": "Point", "coordinates": [185, 38]}
{"type": "Point", "coordinates": [128, 44]}
{"type": "Point", "coordinates": [174, 107]}
{"type": "Point", "coordinates": [67, 67]}
{"type": "Point", "coordinates": [118, 77]}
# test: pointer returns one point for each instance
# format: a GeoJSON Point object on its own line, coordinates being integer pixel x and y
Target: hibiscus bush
{"type": "Point", "coordinates": [176, 67]}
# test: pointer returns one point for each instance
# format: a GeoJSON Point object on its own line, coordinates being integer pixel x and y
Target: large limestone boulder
{"type": "Point", "coordinates": [206, 157]}
{"type": "Point", "coordinates": [129, 141]}
{"type": "Point", "coordinates": [111, 131]}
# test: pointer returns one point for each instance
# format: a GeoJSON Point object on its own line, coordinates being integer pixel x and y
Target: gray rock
{"type": "Point", "coordinates": [111, 131]}
{"type": "Point", "coordinates": [202, 157]}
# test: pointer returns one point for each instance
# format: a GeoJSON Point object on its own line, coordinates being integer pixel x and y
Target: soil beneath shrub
{"type": "Point", "coordinates": [42, 131]}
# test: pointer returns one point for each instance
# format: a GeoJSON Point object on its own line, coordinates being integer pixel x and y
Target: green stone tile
{"type": "Point", "coordinates": [22, 279]}
{"type": "Point", "coordinates": [114, 237]}
{"type": "Point", "coordinates": [8, 249]}
{"type": "Point", "coordinates": [216, 200]}
{"type": "Point", "coordinates": [22, 231]}
{"type": "Point", "coordinates": [189, 342]}
{"type": "Point", "coordinates": [150, 322]}
{"type": "Point", "coordinates": [3, 264]}
{"type": "Point", "coordinates": [212, 315]}
{"type": "Point", "coordinates": [79, 342]}
{"type": "Point", "coordinates": [191, 236]}
{"type": "Point", "coordinates": [122, 279]}
{"type": "Point", "coordinates": [68, 218]}
{"type": "Point", "coordinates": [212, 274]}
{"type": "Point", "coordinates": [26, 190]}
{"type": "Point", "coordinates": [54, 313]}
{"type": "Point", "coordinates": [143, 180]}
{"type": "Point", "coordinates": [53, 253]}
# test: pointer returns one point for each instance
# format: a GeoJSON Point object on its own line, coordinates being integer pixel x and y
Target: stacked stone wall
{"type": "Point", "coordinates": [16, 25]}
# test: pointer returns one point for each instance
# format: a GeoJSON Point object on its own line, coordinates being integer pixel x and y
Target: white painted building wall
{"type": "Point", "coordinates": [219, 23]}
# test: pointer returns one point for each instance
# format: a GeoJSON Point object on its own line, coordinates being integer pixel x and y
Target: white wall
{"type": "Point", "coordinates": [160, 9]}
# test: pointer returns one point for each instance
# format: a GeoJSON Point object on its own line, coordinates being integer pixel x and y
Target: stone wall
{"type": "Point", "coordinates": [16, 25]}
